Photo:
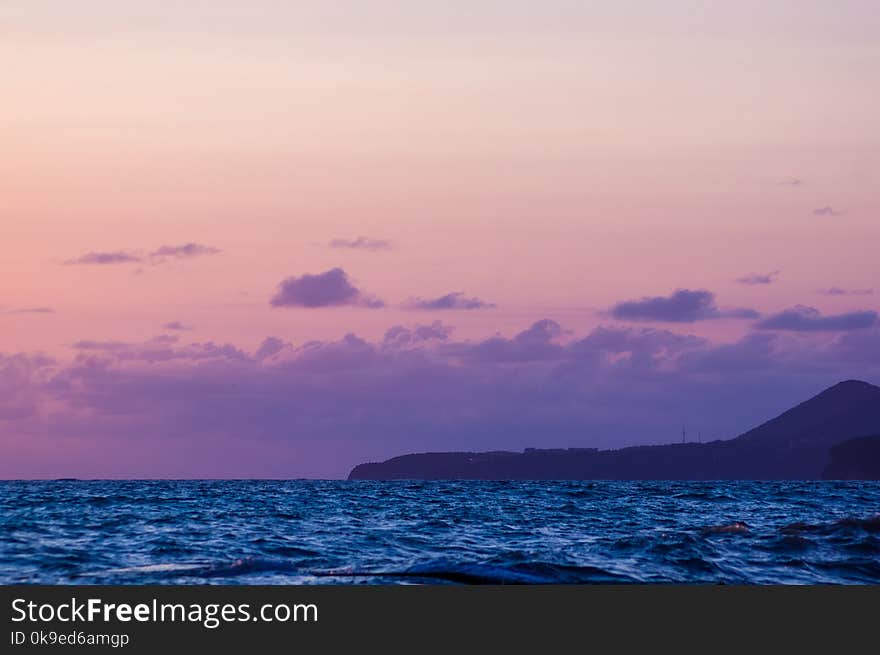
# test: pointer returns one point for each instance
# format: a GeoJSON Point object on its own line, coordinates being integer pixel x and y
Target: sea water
{"type": "Point", "coordinates": [465, 532]}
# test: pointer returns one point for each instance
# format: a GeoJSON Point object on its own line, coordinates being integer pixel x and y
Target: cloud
{"type": "Point", "coordinates": [759, 278]}
{"type": "Point", "coordinates": [808, 319]}
{"type": "Point", "coordinates": [332, 288]}
{"type": "Point", "coordinates": [22, 380]}
{"type": "Point", "coordinates": [861, 347]}
{"type": "Point", "coordinates": [649, 342]}
{"type": "Point", "coordinates": [103, 258]}
{"type": "Point", "coordinates": [185, 251]}
{"type": "Point", "coordinates": [837, 291]}
{"type": "Point", "coordinates": [792, 181]}
{"type": "Point", "coordinates": [165, 408]}
{"type": "Point", "coordinates": [158, 256]}
{"type": "Point", "coordinates": [538, 343]}
{"type": "Point", "coordinates": [163, 348]}
{"type": "Point", "coordinates": [451, 301]}
{"type": "Point", "coordinates": [827, 210]}
{"type": "Point", "coordinates": [540, 332]}
{"type": "Point", "coordinates": [754, 352]}
{"type": "Point", "coordinates": [31, 310]}
{"type": "Point", "coordinates": [88, 344]}
{"type": "Point", "coordinates": [269, 347]}
{"type": "Point", "coordinates": [399, 336]}
{"type": "Point", "coordinates": [331, 358]}
{"type": "Point", "coordinates": [361, 243]}
{"type": "Point", "coordinates": [683, 306]}
{"type": "Point", "coordinates": [177, 325]}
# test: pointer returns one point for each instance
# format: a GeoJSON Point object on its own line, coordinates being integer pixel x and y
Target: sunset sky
{"type": "Point", "coordinates": [281, 238]}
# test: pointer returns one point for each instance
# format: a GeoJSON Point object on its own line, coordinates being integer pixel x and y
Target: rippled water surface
{"type": "Point", "coordinates": [291, 532]}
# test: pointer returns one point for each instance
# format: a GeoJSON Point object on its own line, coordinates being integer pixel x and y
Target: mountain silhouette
{"type": "Point", "coordinates": [847, 409]}
{"type": "Point", "coordinates": [855, 459]}
{"type": "Point", "coordinates": [795, 445]}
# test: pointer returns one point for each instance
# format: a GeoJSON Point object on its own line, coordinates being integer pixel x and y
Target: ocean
{"type": "Point", "coordinates": [455, 532]}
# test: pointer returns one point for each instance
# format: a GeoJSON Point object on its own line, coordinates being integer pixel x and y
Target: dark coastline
{"type": "Point", "coordinates": [809, 442]}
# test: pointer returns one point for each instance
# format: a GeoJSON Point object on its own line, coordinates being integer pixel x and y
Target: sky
{"type": "Point", "coordinates": [266, 239]}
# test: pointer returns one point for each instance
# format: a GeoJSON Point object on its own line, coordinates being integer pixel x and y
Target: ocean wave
{"type": "Point", "coordinates": [492, 574]}
{"type": "Point", "coordinates": [870, 524]}
{"type": "Point", "coordinates": [279, 532]}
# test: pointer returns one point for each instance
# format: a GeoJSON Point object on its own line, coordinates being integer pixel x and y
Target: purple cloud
{"type": "Point", "coordinates": [31, 310]}
{"type": "Point", "coordinates": [351, 353]}
{"type": "Point", "coordinates": [837, 291]}
{"type": "Point", "coordinates": [361, 243]}
{"type": "Point", "coordinates": [22, 378]}
{"type": "Point", "coordinates": [163, 348]}
{"type": "Point", "coordinates": [754, 352]}
{"type": "Point", "coordinates": [451, 301]}
{"type": "Point", "coordinates": [177, 325]}
{"type": "Point", "coordinates": [759, 278]}
{"type": "Point", "coordinates": [89, 344]}
{"type": "Point", "coordinates": [318, 408]}
{"type": "Point", "coordinates": [103, 258]}
{"type": "Point", "coordinates": [185, 251]}
{"type": "Point", "coordinates": [538, 343]}
{"type": "Point", "coordinates": [792, 181]}
{"type": "Point", "coordinates": [683, 306]}
{"type": "Point", "coordinates": [269, 347]}
{"type": "Point", "coordinates": [332, 288]}
{"type": "Point", "coordinates": [861, 347]}
{"type": "Point", "coordinates": [808, 319]}
{"type": "Point", "coordinates": [827, 210]}
{"type": "Point", "coordinates": [644, 341]}
{"type": "Point", "coordinates": [158, 256]}
{"type": "Point", "coordinates": [399, 335]}
{"type": "Point", "coordinates": [436, 330]}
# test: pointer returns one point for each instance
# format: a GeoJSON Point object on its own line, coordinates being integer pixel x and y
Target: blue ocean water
{"type": "Point", "coordinates": [292, 532]}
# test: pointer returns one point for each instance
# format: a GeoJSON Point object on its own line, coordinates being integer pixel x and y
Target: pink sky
{"type": "Point", "coordinates": [553, 160]}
